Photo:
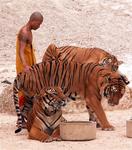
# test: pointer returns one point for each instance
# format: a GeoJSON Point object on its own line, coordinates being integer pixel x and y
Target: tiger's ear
{"type": "Point", "coordinates": [120, 62]}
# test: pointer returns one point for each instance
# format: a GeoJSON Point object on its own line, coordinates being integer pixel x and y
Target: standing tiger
{"type": "Point", "coordinates": [89, 80]}
{"type": "Point", "coordinates": [45, 116]}
{"type": "Point", "coordinates": [81, 55]}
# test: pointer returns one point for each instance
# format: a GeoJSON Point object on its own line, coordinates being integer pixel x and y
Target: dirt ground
{"type": "Point", "coordinates": [106, 24]}
{"type": "Point", "coordinates": [105, 140]}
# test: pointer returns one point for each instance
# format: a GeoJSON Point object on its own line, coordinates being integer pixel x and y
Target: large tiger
{"type": "Point", "coordinates": [44, 118]}
{"type": "Point", "coordinates": [89, 80]}
{"type": "Point", "coordinates": [81, 55]}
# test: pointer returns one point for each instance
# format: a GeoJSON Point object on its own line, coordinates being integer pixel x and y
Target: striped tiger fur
{"type": "Point", "coordinates": [52, 96]}
{"type": "Point", "coordinates": [43, 119]}
{"type": "Point", "coordinates": [88, 80]}
{"type": "Point", "coordinates": [81, 55]}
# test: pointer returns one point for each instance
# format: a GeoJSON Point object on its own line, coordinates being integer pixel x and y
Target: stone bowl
{"type": "Point", "coordinates": [129, 128]}
{"type": "Point", "coordinates": [78, 130]}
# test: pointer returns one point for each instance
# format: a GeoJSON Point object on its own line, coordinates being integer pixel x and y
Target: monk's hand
{"type": "Point", "coordinates": [27, 68]}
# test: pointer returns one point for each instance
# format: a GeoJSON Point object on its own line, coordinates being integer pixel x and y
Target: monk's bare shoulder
{"type": "Point", "coordinates": [24, 35]}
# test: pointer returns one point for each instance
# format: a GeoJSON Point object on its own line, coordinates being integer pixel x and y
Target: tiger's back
{"type": "Point", "coordinates": [81, 55]}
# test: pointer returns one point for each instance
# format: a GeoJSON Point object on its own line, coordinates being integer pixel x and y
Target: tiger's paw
{"type": "Point", "coordinates": [98, 125]}
{"type": "Point", "coordinates": [110, 128]}
{"type": "Point", "coordinates": [58, 139]}
{"type": "Point", "coordinates": [49, 139]}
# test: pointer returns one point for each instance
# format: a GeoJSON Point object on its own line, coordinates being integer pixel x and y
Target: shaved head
{"type": "Point", "coordinates": [36, 16]}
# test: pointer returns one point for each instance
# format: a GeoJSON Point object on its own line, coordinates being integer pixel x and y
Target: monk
{"type": "Point", "coordinates": [25, 56]}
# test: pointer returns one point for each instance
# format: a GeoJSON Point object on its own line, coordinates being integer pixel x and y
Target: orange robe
{"type": "Point", "coordinates": [30, 60]}
{"type": "Point", "coordinates": [29, 57]}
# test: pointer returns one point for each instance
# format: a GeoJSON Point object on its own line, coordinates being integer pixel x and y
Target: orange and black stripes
{"type": "Point", "coordinates": [81, 55]}
{"type": "Point", "coordinates": [72, 77]}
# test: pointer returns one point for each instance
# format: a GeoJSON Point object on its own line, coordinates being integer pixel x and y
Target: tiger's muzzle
{"type": "Point", "coordinates": [113, 94]}
{"type": "Point", "coordinates": [58, 104]}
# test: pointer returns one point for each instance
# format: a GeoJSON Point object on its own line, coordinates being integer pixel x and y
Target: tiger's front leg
{"type": "Point", "coordinates": [96, 106]}
{"type": "Point", "coordinates": [36, 132]}
{"type": "Point", "coordinates": [55, 135]}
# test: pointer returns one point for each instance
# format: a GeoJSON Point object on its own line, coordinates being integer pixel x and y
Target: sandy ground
{"type": "Point", "coordinates": [88, 23]}
{"type": "Point", "coordinates": [105, 140]}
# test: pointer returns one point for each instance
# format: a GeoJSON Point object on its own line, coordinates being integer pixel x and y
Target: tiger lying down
{"type": "Point", "coordinates": [44, 118]}
{"type": "Point", "coordinates": [49, 113]}
{"type": "Point", "coordinates": [89, 80]}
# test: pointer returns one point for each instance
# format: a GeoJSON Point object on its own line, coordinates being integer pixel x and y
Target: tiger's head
{"type": "Point", "coordinates": [52, 99]}
{"type": "Point", "coordinates": [112, 87]}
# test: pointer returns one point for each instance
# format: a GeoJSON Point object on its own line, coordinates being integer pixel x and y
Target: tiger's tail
{"type": "Point", "coordinates": [16, 103]}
